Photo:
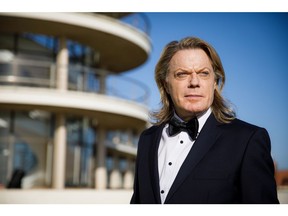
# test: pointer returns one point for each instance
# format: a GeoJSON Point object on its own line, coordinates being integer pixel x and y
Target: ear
{"type": "Point", "coordinates": [215, 85]}
{"type": "Point", "coordinates": [216, 81]}
{"type": "Point", "coordinates": [165, 84]}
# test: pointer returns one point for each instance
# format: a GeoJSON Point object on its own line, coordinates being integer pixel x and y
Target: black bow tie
{"type": "Point", "coordinates": [176, 126]}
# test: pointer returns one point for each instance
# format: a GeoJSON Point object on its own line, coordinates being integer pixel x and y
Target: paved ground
{"type": "Point", "coordinates": [81, 196]}
{"type": "Point", "coordinates": [283, 195]}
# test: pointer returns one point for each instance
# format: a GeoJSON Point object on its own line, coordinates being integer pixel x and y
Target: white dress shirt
{"type": "Point", "coordinates": [172, 153]}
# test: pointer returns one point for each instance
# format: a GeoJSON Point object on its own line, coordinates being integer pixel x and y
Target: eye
{"type": "Point", "coordinates": [203, 74]}
{"type": "Point", "coordinates": [181, 75]}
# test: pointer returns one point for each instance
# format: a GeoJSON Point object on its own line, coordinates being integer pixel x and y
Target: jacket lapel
{"type": "Point", "coordinates": [204, 142]}
{"type": "Point", "coordinates": [155, 141]}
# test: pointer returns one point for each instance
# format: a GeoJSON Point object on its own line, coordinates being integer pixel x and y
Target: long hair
{"type": "Point", "coordinates": [220, 108]}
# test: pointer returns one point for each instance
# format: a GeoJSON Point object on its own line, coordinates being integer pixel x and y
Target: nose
{"type": "Point", "coordinates": [194, 80]}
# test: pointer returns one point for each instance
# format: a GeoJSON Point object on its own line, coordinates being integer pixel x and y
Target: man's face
{"type": "Point", "coordinates": [191, 82]}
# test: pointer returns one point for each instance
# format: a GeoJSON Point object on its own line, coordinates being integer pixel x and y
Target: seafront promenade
{"type": "Point", "coordinates": [81, 196]}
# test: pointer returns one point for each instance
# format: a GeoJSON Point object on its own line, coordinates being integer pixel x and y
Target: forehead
{"type": "Point", "coordinates": [195, 58]}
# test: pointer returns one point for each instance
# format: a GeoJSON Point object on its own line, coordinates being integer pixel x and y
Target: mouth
{"type": "Point", "coordinates": [193, 96]}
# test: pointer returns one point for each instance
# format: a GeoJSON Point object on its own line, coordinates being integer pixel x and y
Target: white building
{"type": "Point", "coordinates": [68, 118]}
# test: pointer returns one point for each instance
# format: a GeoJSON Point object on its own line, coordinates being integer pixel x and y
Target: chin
{"type": "Point", "coordinates": [195, 110]}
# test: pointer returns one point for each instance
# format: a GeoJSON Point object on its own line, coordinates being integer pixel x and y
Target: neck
{"type": "Point", "coordinates": [187, 118]}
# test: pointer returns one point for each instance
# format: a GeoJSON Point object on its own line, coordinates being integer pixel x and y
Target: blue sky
{"type": "Point", "coordinates": [254, 51]}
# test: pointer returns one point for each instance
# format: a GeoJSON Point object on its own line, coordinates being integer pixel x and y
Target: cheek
{"type": "Point", "coordinates": [176, 91]}
{"type": "Point", "coordinates": [175, 94]}
{"type": "Point", "coordinates": [170, 88]}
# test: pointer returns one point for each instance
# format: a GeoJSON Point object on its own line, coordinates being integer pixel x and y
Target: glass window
{"type": "Point", "coordinates": [4, 147]}
{"type": "Point", "coordinates": [23, 141]}
{"type": "Point", "coordinates": [31, 137]}
{"type": "Point", "coordinates": [80, 152]}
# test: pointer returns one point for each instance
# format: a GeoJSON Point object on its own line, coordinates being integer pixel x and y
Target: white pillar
{"type": "Point", "coordinates": [128, 176]}
{"type": "Point", "coordinates": [115, 177]}
{"type": "Point", "coordinates": [59, 151]}
{"type": "Point", "coordinates": [101, 171]}
{"type": "Point", "coordinates": [62, 63]}
{"type": "Point", "coordinates": [59, 155]}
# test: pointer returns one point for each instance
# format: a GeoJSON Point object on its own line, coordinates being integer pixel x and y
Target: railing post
{"type": "Point", "coordinates": [102, 81]}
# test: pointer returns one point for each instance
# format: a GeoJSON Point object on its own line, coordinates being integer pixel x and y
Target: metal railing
{"type": "Point", "coordinates": [80, 78]}
{"type": "Point", "coordinates": [139, 21]}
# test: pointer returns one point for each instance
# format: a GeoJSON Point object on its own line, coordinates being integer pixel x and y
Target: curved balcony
{"type": "Point", "coordinates": [34, 85]}
{"type": "Point", "coordinates": [120, 45]}
{"type": "Point", "coordinates": [62, 97]}
{"type": "Point", "coordinates": [35, 73]}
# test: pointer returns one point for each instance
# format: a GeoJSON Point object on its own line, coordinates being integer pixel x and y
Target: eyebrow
{"type": "Point", "coordinates": [188, 69]}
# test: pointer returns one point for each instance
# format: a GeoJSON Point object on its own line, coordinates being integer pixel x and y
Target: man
{"type": "Point", "coordinates": [197, 151]}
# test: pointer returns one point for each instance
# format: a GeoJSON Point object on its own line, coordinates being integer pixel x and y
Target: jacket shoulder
{"type": "Point", "coordinates": [240, 124]}
{"type": "Point", "coordinates": [243, 128]}
{"type": "Point", "coordinates": [150, 134]}
{"type": "Point", "coordinates": [151, 130]}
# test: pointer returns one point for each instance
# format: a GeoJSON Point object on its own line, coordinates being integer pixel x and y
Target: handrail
{"type": "Point", "coordinates": [80, 78]}
{"type": "Point", "coordinates": [144, 97]}
{"type": "Point", "coordinates": [139, 21]}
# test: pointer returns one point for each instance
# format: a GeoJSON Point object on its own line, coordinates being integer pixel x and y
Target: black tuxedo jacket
{"type": "Point", "coordinates": [228, 163]}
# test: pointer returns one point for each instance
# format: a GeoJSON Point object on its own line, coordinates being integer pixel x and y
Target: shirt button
{"type": "Point", "coordinates": [181, 141]}
{"type": "Point", "coordinates": [170, 163]}
{"type": "Point", "coordinates": [162, 191]}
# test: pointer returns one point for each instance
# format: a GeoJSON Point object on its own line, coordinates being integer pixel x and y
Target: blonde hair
{"type": "Point", "coordinates": [220, 108]}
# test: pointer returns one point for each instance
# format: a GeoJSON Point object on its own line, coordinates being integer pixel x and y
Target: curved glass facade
{"type": "Point", "coordinates": [29, 60]}
{"type": "Point", "coordinates": [26, 144]}
{"type": "Point", "coordinates": [59, 145]}
{"type": "Point", "coordinates": [24, 139]}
